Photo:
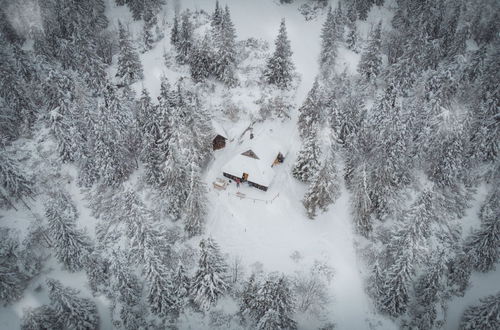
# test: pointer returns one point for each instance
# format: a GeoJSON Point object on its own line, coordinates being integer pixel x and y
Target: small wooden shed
{"type": "Point", "coordinates": [219, 142]}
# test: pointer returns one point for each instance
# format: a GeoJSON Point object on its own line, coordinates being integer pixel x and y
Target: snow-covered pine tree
{"type": "Point", "coordinates": [71, 310]}
{"type": "Point", "coordinates": [97, 268]}
{"type": "Point", "coordinates": [363, 8]}
{"type": "Point", "coordinates": [129, 65]}
{"type": "Point", "coordinates": [247, 307]}
{"type": "Point", "coordinates": [113, 156]}
{"type": "Point", "coordinates": [175, 33]}
{"type": "Point", "coordinates": [185, 43]}
{"type": "Point", "coordinates": [310, 111]}
{"type": "Point", "coordinates": [136, 7]}
{"type": "Point", "coordinates": [209, 283]}
{"type": "Point", "coordinates": [14, 185]}
{"type": "Point", "coordinates": [429, 294]}
{"type": "Point", "coordinates": [324, 189]}
{"type": "Point", "coordinates": [361, 202]}
{"type": "Point", "coordinates": [225, 50]}
{"type": "Point", "coordinates": [71, 245]}
{"type": "Point", "coordinates": [483, 316]}
{"type": "Point", "coordinates": [482, 245]}
{"type": "Point", "coordinates": [274, 305]}
{"type": "Point", "coordinates": [202, 59]}
{"type": "Point", "coordinates": [217, 16]}
{"type": "Point", "coordinates": [397, 284]}
{"type": "Point", "coordinates": [160, 289]}
{"type": "Point", "coordinates": [329, 44]}
{"type": "Point", "coordinates": [352, 37]}
{"type": "Point", "coordinates": [195, 207]}
{"type": "Point", "coordinates": [369, 66]}
{"type": "Point", "coordinates": [43, 317]}
{"type": "Point", "coordinates": [279, 68]}
{"type": "Point", "coordinates": [307, 163]}
{"type": "Point", "coordinates": [181, 284]}
{"type": "Point", "coordinates": [127, 291]}
{"type": "Point", "coordinates": [339, 19]}
{"type": "Point", "coordinates": [150, 20]}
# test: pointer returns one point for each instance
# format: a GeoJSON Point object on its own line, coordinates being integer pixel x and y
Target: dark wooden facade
{"type": "Point", "coordinates": [250, 183]}
{"type": "Point", "coordinates": [219, 142]}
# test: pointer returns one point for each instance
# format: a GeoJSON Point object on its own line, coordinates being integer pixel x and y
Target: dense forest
{"type": "Point", "coordinates": [411, 138]}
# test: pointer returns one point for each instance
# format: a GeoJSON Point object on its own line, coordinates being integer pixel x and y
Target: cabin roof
{"type": "Point", "coordinates": [255, 157]}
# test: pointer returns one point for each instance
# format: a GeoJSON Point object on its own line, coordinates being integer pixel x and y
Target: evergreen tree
{"type": "Point", "coordinates": [324, 189]}
{"type": "Point", "coordinates": [209, 282]}
{"type": "Point", "coordinates": [180, 283]}
{"type": "Point", "coordinates": [225, 53]}
{"type": "Point", "coordinates": [279, 69]}
{"type": "Point", "coordinates": [43, 317]}
{"type": "Point", "coordinates": [248, 298]}
{"type": "Point", "coordinates": [339, 22]}
{"type": "Point", "coordinates": [72, 311]}
{"type": "Point", "coordinates": [363, 7]}
{"type": "Point", "coordinates": [97, 269]}
{"type": "Point", "coordinates": [352, 38]}
{"type": "Point", "coordinates": [361, 203]}
{"type": "Point", "coordinates": [174, 33]}
{"type": "Point", "coordinates": [202, 60]}
{"type": "Point", "coordinates": [371, 61]}
{"type": "Point", "coordinates": [127, 290]}
{"type": "Point", "coordinates": [274, 305]}
{"type": "Point", "coordinates": [114, 160]}
{"type": "Point", "coordinates": [217, 16]}
{"type": "Point", "coordinates": [129, 64]}
{"type": "Point", "coordinates": [310, 111]}
{"type": "Point", "coordinates": [185, 43]}
{"type": "Point", "coordinates": [483, 316]}
{"type": "Point", "coordinates": [13, 182]}
{"type": "Point", "coordinates": [307, 163]}
{"type": "Point", "coordinates": [136, 7]}
{"type": "Point", "coordinates": [329, 44]}
{"type": "Point", "coordinates": [70, 244]}
{"type": "Point", "coordinates": [150, 21]}
{"type": "Point", "coordinates": [195, 206]}
{"type": "Point", "coordinates": [482, 245]}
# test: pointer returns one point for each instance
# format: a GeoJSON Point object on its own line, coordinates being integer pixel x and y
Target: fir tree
{"type": "Point", "coordinates": [329, 44]}
{"type": "Point", "coordinates": [43, 317]}
{"type": "Point", "coordinates": [371, 61]}
{"type": "Point", "coordinates": [70, 244]}
{"type": "Point", "coordinates": [129, 64]}
{"type": "Point", "coordinates": [72, 311]}
{"type": "Point", "coordinates": [307, 163]}
{"type": "Point", "coordinates": [482, 245]}
{"type": "Point", "coordinates": [174, 33]}
{"type": "Point", "coordinates": [248, 298]}
{"type": "Point", "coordinates": [185, 43]}
{"type": "Point", "coordinates": [339, 22]}
{"type": "Point", "coordinates": [13, 182]}
{"type": "Point", "coordinates": [225, 53]}
{"type": "Point", "coordinates": [97, 268]}
{"type": "Point", "coordinates": [274, 305]}
{"type": "Point", "coordinates": [363, 7]}
{"type": "Point", "coordinates": [483, 316]}
{"type": "Point", "coordinates": [279, 69]}
{"type": "Point", "coordinates": [209, 282]}
{"type": "Point", "coordinates": [310, 111]}
{"type": "Point", "coordinates": [324, 189]}
{"type": "Point", "coordinates": [361, 202]}
{"type": "Point", "coordinates": [352, 38]}
{"type": "Point", "coordinates": [217, 16]}
{"type": "Point", "coordinates": [195, 206]}
{"type": "Point", "coordinates": [202, 60]}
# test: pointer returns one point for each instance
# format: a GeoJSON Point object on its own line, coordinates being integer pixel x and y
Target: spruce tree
{"type": "Point", "coordinates": [13, 181]}
{"type": "Point", "coordinates": [371, 61]}
{"type": "Point", "coordinates": [72, 311]}
{"type": "Point", "coordinates": [209, 282]}
{"type": "Point", "coordinates": [483, 316]}
{"type": "Point", "coordinates": [225, 53]}
{"type": "Point", "coordinates": [329, 44]}
{"type": "Point", "coordinates": [307, 163]}
{"type": "Point", "coordinates": [279, 68]}
{"type": "Point", "coordinates": [361, 202]}
{"type": "Point", "coordinates": [324, 189]}
{"type": "Point", "coordinates": [174, 33]}
{"type": "Point", "coordinates": [310, 111]}
{"type": "Point", "coordinates": [363, 7]}
{"type": "Point", "coordinates": [129, 65]}
{"type": "Point", "coordinates": [339, 22]}
{"type": "Point", "coordinates": [196, 204]}
{"type": "Point", "coordinates": [70, 244]}
{"type": "Point", "coordinates": [185, 43]}
{"type": "Point", "coordinates": [43, 317]}
{"type": "Point", "coordinates": [202, 58]}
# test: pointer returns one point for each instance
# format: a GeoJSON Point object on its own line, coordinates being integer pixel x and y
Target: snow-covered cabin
{"type": "Point", "coordinates": [255, 164]}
